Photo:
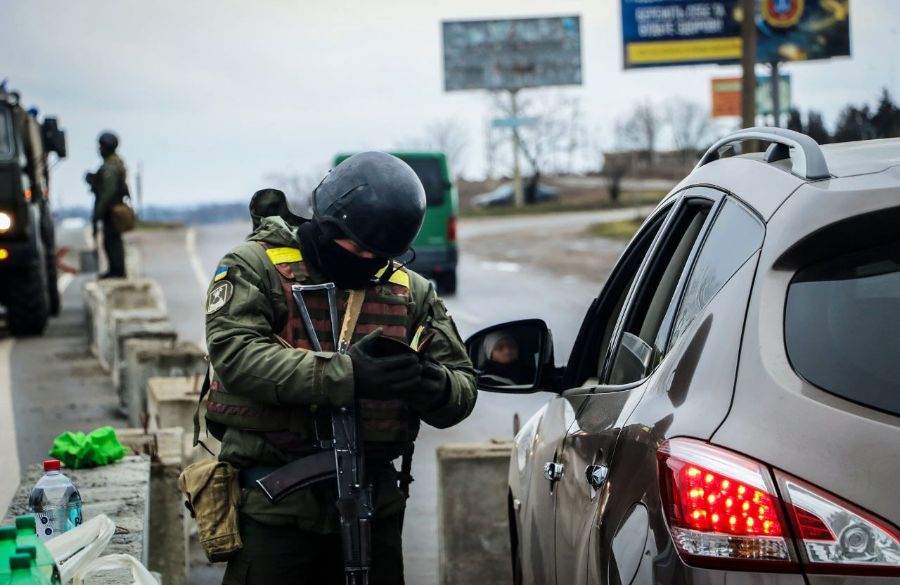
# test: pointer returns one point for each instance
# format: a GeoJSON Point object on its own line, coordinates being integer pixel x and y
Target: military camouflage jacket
{"type": "Point", "coordinates": [242, 321]}
{"type": "Point", "coordinates": [109, 186]}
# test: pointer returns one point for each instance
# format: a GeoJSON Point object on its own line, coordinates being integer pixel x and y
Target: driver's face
{"type": "Point", "coordinates": [505, 352]}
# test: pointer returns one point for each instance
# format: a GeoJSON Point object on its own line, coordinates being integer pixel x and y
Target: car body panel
{"type": "Point", "coordinates": [763, 187]}
{"type": "Point", "coordinates": [845, 448]}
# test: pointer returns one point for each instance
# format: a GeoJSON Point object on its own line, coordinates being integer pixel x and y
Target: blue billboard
{"type": "Point", "coordinates": [659, 33]}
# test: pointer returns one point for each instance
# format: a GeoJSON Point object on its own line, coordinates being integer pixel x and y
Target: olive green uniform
{"type": "Point", "coordinates": [109, 189]}
{"type": "Point", "coordinates": [243, 319]}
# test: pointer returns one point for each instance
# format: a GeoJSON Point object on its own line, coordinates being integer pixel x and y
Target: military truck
{"type": "Point", "coordinates": [27, 241]}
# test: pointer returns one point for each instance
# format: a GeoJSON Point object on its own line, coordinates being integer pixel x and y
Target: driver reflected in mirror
{"type": "Point", "coordinates": [501, 362]}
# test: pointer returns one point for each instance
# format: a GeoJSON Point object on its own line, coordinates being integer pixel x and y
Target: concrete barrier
{"type": "Point", "coordinates": [473, 519]}
{"type": "Point", "coordinates": [121, 491]}
{"type": "Point", "coordinates": [169, 522]}
{"type": "Point", "coordinates": [110, 300]}
{"type": "Point", "coordinates": [145, 359]}
{"type": "Point", "coordinates": [161, 331]}
{"type": "Point", "coordinates": [172, 402]}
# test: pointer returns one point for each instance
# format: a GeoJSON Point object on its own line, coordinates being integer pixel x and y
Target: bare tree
{"type": "Point", "coordinates": [448, 136]}
{"type": "Point", "coordinates": [690, 125]}
{"type": "Point", "coordinates": [298, 187]}
{"type": "Point", "coordinates": [640, 131]}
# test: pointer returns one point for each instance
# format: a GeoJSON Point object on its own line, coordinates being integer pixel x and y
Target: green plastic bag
{"type": "Point", "coordinates": [77, 450]}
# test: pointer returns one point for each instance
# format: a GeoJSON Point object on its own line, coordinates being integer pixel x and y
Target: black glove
{"type": "Point", "coordinates": [433, 389]}
{"type": "Point", "coordinates": [382, 378]}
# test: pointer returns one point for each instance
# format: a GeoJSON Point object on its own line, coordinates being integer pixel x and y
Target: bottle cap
{"type": "Point", "coordinates": [23, 522]}
{"type": "Point", "coordinates": [52, 465]}
{"type": "Point", "coordinates": [19, 562]}
{"type": "Point", "coordinates": [30, 550]}
{"type": "Point", "coordinates": [8, 533]}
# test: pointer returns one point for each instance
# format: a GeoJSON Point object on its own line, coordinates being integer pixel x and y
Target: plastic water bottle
{"type": "Point", "coordinates": [54, 502]}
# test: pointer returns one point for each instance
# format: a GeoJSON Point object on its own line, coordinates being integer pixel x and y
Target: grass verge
{"type": "Point", "coordinates": [614, 230]}
{"type": "Point", "coordinates": [629, 199]}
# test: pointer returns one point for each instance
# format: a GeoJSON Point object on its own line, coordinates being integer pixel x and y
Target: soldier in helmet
{"type": "Point", "coordinates": [109, 187]}
{"type": "Point", "coordinates": [269, 402]}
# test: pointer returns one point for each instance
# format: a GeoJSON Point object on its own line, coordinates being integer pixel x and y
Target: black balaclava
{"type": "Point", "coordinates": [342, 267]}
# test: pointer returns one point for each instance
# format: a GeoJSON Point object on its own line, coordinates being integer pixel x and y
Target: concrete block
{"type": "Point", "coordinates": [91, 296]}
{"type": "Point", "coordinates": [473, 520]}
{"type": "Point", "coordinates": [169, 522]}
{"type": "Point", "coordinates": [120, 490]}
{"type": "Point", "coordinates": [128, 327]}
{"type": "Point", "coordinates": [145, 359]}
{"type": "Point", "coordinates": [116, 298]}
{"type": "Point", "coordinates": [172, 402]}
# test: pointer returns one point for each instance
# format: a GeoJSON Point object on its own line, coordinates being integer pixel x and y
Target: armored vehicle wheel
{"type": "Point", "coordinates": [28, 306]}
{"type": "Point", "coordinates": [52, 289]}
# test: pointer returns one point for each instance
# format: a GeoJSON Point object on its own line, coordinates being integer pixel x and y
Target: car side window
{"type": "Point", "coordinates": [592, 345]}
{"type": "Point", "coordinates": [641, 344]}
{"type": "Point", "coordinates": [733, 238]}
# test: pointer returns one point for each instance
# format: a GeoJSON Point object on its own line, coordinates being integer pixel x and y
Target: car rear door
{"type": "Point", "coordinates": [631, 347]}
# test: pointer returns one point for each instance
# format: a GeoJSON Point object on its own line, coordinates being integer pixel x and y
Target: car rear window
{"type": "Point", "coordinates": [429, 171]}
{"type": "Point", "coordinates": [841, 326]}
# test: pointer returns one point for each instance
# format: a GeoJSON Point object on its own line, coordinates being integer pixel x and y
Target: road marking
{"type": "Point", "coordinates": [200, 276]}
{"type": "Point", "coordinates": [9, 455]}
{"type": "Point", "coordinates": [63, 282]}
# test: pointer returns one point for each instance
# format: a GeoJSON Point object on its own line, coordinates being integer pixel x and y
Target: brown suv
{"type": "Point", "coordinates": [730, 412]}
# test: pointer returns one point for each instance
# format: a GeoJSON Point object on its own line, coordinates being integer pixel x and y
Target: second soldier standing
{"type": "Point", "coordinates": [109, 187]}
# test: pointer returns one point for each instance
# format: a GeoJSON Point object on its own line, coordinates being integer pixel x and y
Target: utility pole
{"type": "Point", "coordinates": [518, 195]}
{"type": "Point", "coordinates": [139, 187]}
{"type": "Point", "coordinates": [775, 88]}
{"type": "Point", "coordinates": [748, 63]}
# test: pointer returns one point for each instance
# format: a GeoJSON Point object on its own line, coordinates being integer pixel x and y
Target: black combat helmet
{"type": "Point", "coordinates": [375, 199]}
{"type": "Point", "coordinates": [109, 141]}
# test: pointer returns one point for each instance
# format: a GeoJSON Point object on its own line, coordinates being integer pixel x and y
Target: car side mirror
{"type": "Point", "coordinates": [512, 357]}
{"type": "Point", "coordinates": [54, 137]}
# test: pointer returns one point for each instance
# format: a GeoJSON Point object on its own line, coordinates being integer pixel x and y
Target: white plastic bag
{"type": "Point", "coordinates": [77, 553]}
{"type": "Point", "coordinates": [74, 550]}
{"type": "Point", "coordinates": [139, 573]}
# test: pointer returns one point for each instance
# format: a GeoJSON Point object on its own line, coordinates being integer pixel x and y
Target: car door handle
{"type": "Point", "coordinates": [553, 471]}
{"type": "Point", "coordinates": [596, 475]}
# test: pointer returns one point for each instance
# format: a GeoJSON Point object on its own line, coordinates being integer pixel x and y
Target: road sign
{"type": "Point", "coordinates": [726, 96]}
{"type": "Point", "coordinates": [512, 54]}
{"type": "Point", "coordinates": [659, 33]}
{"type": "Point", "coordinates": [514, 122]}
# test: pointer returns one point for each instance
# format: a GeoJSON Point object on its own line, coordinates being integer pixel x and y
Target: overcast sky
{"type": "Point", "coordinates": [212, 96]}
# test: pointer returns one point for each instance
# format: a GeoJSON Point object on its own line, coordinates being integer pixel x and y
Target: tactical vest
{"type": "Point", "coordinates": [388, 426]}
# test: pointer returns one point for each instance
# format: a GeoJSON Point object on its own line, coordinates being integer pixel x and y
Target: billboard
{"type": "Point", "coordinates": [512, 54]}
{"type": "Point", "coordinates": [690, 32]}
{"type": "Point", "coordinates": [726, 95]}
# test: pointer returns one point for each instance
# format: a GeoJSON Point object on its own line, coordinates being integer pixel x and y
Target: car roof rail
{"type": "Point", "coordinates": [807, 159]}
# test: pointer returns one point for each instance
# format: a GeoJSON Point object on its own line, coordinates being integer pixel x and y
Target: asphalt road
{"type": "Point", "coordinates": [55, 385]}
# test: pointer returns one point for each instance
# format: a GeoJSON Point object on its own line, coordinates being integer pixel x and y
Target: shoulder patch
{"type": "Point", "coordinates": [219, 297]}
{"type": "Point", "coordinates": [221, 272]}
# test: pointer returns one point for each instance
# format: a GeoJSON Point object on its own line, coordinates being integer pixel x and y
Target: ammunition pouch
{"type": "Point", "coordinates": [213, 496]}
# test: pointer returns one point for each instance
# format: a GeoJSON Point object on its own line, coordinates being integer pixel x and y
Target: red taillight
{"type": "Point", "coordinates": [722, 508]}
{"type": "Point", "coordinates": [724, 512]}
{"type": "Point", "coordinates": [451, 229]}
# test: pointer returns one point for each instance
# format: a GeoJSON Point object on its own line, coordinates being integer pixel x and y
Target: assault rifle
{"type": "Point", "coordinates": [344, 457]}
